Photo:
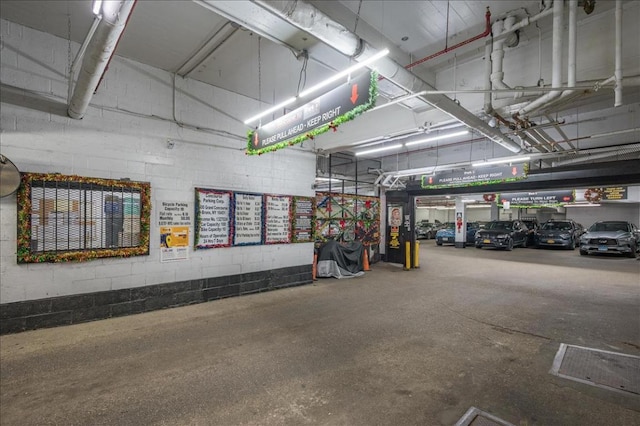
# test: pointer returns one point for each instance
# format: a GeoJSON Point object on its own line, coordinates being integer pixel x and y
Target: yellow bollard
{"type": "Point", "coordinates": [416, 260]}
{"type": "Point", "coordinates": [407, 255]}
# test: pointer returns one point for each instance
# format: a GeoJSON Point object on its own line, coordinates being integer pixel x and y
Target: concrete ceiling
{"type": "Point", "coordinates": [225, 44]}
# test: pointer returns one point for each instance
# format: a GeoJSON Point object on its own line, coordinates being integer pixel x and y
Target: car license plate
{"type": "Point", "coordinates": [445, 238]}
{"type": "Point", "coordinates": [550, 241]}
{"type": "Point", "coordinates": [602, 248]}
{"type": "Point", "coordinates": [486, 241]}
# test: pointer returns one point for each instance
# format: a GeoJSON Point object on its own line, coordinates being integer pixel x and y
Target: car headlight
{"type": "Point", "coordinates": [565, 236]}
{"type": "Point", "coordinates": [624, 240]}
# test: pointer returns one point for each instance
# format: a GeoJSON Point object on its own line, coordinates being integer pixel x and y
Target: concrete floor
{"type": "Point", "coordinates": [469, 328]}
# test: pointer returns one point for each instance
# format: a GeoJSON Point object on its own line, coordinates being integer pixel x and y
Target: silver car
{"type": "Point", "coordinates": [611, 237]}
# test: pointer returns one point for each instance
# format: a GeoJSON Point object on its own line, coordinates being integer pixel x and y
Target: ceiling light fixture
{"type": "Point", "coordinates": [270, 110]}
{"type": "Point", "coordinates": [436, 138]}
{"type": "Point", "coordinates": [97, 7]}
{"type": "Point", "coordinates": [326, 179]}
{"type": "Point", "coordinates": [501, 161]}
{"type": "Point", "coordinates": [318, 86]}
{"type": "Point", "coordinates": [583, 205]}
{"type": "Point", "coordinates": [382, 148]}
{"type": "Point", "coordinates": [414, 172]}
{"type": "Point", "coordinates": [344, 73]}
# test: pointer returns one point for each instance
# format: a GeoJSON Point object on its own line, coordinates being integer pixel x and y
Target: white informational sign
{"type": "Point", "coordinates": [175, 213]}
{"type": "Point", "coordinates": [248, 215]}
{"type": "Point", "coordinates": [174, 219]}
{"type": "Point", "coordinates": [277, 219]}
{"type": "Point", "coordinates": [214, 218]}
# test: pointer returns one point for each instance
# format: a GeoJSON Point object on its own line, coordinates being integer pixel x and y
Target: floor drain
{"type": "Point", "coordinates": [604, 369]}
{"type": "Point", "coordinates": [476, 417]}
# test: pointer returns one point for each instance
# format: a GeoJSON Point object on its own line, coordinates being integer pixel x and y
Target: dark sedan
{"type": "Point", "coordinates": [611, 237]}
{"type": "Point", "coordinates": [559, 233]}
{"type": "Point", "coordinates": [505, 234]}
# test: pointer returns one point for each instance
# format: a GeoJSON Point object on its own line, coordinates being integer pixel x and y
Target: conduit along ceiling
{"type": "Point", "coordinates": [465, 81]}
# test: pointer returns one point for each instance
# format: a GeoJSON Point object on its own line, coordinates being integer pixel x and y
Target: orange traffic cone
{"type": "Point", "coordinates": [365, 259]}
{"type": "Point", "coordinates": [314, 267]}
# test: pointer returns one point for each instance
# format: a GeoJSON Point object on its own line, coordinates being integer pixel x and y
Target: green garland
{"type": "Point", "coordinates": [479, 183]}
{"type": "Point", "coordinates": [24, 253]}
{"type": "Point", "coordinates": [348, 116]}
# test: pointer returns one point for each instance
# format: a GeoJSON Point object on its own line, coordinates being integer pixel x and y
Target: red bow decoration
{"type": "Point", "coordinates": [367, 204]}
{"type": "Point", "coordinates": [342, 223]}
{"type": "Point", "coordinates": [333, 126]}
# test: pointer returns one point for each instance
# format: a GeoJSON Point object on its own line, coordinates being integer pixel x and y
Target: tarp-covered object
{"type": "Point", "coordinates": [340, 260]}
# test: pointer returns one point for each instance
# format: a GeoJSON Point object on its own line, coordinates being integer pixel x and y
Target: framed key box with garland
{"type": "Point", "coordinates": [67, 218]}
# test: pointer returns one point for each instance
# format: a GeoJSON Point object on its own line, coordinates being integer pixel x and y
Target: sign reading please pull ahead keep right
{"type": "Point", "coordinates": [339, 105]}
{"type": "Point", "coordinates": [479, 176]}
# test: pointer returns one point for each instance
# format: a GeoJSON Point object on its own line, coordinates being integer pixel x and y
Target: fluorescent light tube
{"type": "Point", "coordinates": [326, 179]}
{"type": "Point", "coordinates": [97, 7]}
{"type": "Point", "coordinates": [414, 172]}
{"type": "Point", "coordinates": [270, 110]}
{"type": "Point", "coordinates": [318, 86]}
{"type": "Point", "coordinates": [437, 138]}
{"type": "Point", "coordinates": [501, 161]}
{"type": "Point", "coordinates": [382, 148]}
{"type": "Point", "coordinates": [344, 73]}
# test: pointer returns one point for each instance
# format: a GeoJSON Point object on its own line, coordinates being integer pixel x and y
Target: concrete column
{"type": "Point", "coordinates": [495, 214]}
{"type": "Point", "coordinates": [460, 224]}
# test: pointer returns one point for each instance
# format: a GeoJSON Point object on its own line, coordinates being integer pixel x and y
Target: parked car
{"type": "Point", "coordinates": [448, 233]}
{"type": "Point", "coordinates": [559, 233]}
{"type": "Point", "coordinates": [611, 237]}
{"type": "Point", "coordinates": [426, 230]}
{"type": "Point", "coordinates": [505, 234]}
{"type": "Point", "coordinates": [533, 226]}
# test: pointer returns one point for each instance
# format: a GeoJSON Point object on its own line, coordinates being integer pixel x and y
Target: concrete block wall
{"type": "Point", "coordinates": [124, 135]}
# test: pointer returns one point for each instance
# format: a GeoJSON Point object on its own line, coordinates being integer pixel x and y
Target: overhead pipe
{"type": "Point", "coordinates": [573, 42]}
{"type": "Point", "coordinates": [569, 94]}
{"type": "Point", "coordinates": [590, 157]}
{"type": "Point", "coordinates": [618, 71]}
{"type": "Point", "coordinates": [556, 63]}
{"type": "Point", "coordinates": [487, 31]}
{"type": "Point", "coordinates": [99, 52]}
{"type": "Point", "coordinates": [494, 75]}
{"type": "Point", "coordinates": [307, 18]}
{"type": "Point", "coordinates": [584, 155]}
{"type": "Point", "coordinates": [556, 125]}
{"type": "Point", "coordinates": [497, 60]}
{"type": "Point", "coordinates": [543, 137]}
{"type": "Point", "coordinates": [80, 55]}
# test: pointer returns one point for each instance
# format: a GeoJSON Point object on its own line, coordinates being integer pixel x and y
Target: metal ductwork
{"type": "Point", "coordinates": [306, 17]}
{"type": "Point", "coordinates": [99, 52]}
